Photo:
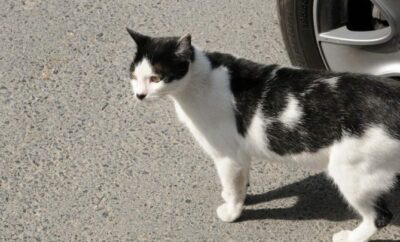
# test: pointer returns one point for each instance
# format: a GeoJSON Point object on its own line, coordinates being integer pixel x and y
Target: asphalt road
{"type": "Point", "coordinates": [80, 161]}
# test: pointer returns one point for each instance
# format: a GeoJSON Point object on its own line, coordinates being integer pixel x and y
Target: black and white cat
{"type": "Point", "coordinates": [238, 110]}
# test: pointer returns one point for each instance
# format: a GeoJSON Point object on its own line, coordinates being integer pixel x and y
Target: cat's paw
{"type": "Point", "coordinates": [342, 236]}
{"type": "Point", "coordinates": [229, 212]}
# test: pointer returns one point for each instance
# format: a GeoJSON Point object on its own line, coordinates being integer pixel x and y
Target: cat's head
{"type": "Point", "coordinates": [161, 65]}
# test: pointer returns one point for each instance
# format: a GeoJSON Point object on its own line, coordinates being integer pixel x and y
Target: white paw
{"type": "Point", "coordinates": [229, 212]}
{"type": "Point", "coordinates": [342, 236]}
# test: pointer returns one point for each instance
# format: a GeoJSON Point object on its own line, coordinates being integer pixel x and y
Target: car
{"type": "Point", "coordinates": [343, 35]}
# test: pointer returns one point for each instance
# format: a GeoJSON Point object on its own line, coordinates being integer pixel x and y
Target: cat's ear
{"type": "Point", "coordinates": [139, 38]}
{"type": "Point", "coordinates": [184, 47]}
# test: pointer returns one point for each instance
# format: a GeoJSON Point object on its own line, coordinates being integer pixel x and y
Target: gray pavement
{"type": "Point", "coordinates": [80, 161]}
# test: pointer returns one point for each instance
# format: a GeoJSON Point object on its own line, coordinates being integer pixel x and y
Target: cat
{"type": "Point", "coordinates": [347, 125]}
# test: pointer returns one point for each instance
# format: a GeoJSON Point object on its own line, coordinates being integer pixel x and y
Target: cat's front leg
{"type": "Point", "coordinates": [234, 178]}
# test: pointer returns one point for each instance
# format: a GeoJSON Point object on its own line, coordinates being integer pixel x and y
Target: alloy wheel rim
{"type": "Point", "coordinates": [375, 51]}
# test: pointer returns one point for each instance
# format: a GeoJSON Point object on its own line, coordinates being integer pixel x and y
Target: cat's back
{"type": "Point", "coordinates": [368, 101]}
{"type": "Point", "coordinates": [330, 103]}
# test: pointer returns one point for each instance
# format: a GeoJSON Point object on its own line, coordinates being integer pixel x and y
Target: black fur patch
{"type": "Point", "coordinates": [356, 103]}
{"type": "Point", "coordinates": [320, 121]}
{"type": "Point", "coordinates": [383, 215]}
{"type": "Point", "coordinates": [369, 100]}
{"type": "Point", "coordinates": [247, 82]}
{"type": "Point", "coordinates": [165, 54]}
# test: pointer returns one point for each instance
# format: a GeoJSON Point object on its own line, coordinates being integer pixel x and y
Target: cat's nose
{"type": "Point", "coordinates": [140, 96]}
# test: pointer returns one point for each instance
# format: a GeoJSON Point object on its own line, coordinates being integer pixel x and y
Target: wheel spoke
{"type": "Point", "coordinates": [344, 36]}
{"type": "Point", "coordinates": [361, 59]}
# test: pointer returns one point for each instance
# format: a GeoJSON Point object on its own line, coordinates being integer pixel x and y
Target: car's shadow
{"type": "Point", "coordinates": [317, 198]}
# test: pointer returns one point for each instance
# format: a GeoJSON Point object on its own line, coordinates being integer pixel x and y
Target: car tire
{"type": "Point", "coordinates": [297, 27]}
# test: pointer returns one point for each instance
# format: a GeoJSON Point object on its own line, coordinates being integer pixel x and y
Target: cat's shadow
{"type": "Point", "coordinates": [317, 198]}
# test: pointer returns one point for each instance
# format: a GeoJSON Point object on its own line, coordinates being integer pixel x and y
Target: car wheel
{"type": "Point", "coordinates": [343, 35]}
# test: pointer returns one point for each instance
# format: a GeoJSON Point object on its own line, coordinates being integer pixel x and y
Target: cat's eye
{"type": "Point", "coordinates": [155, 79]}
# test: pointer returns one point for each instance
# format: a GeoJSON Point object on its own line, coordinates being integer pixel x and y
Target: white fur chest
{"type": "Point", "coordinates": [214, 131]}
{"type": "Point", "coordinates": [207, 111]}
{"type": "Point", "coordinates": [185, 119]}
